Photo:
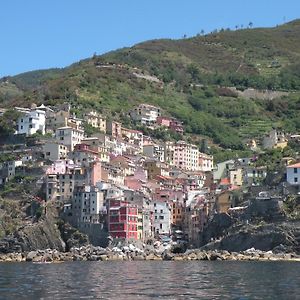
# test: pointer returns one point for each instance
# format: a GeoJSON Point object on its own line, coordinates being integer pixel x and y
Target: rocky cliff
{"type": "Point", "coordinates": [284, 237]}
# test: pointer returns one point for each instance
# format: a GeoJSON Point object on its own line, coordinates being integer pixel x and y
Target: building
{"type": "Point", "coordinates": [274, 139]}
{"type": "Point", "coordinates": [171, 123]}
{"type": "Point", "coordinates": [155, 151]}
{"type": "Point", "coordinates": [177, 213]}
{"type": "Point", "coordinates": [8, 171]}
{"type": "Point", "coordinates": [223, 202]}
{"type": "Point", "coordinates": [293, 174]}
{"type": "Point", "coordinates": [55, 151]}
{"type": "Point", "coordinates": [97, 145]}
{"type": "Point", "coordinates": [236, 176]}
{"type": "Point", "coordinates": [134, 137]}
{"type": "Point", "coordinates": [96, 120]}
{"type": "Point", "coordinates": [56, 120]}
{"type": "Point", "coordinates": [182, 155]}
{"type": "Point", "coordinates": [114, 128]}
{"type": "Point", "coordinates": [206, 162]}
{"type": "Point", "coordinates": [122, 219]}
{"type": "Point", "coordinates": [87, 205]}
{"type": "Point", "coordinates": [83, 155]}
{"type": "Point", "coordinates": [145, 114]}
{"type": "Point", "coordinates": [155, 168]}
{"type": "Point", "coordinates": [254, 175]}
{"type": "Point", "coordinates": [63, 176]}
{"type": "Point", "coordinates": [69, 136]}
{"type": "Point", "coordinates": [31, 121]}
{"type": "Point", "coordinates": [161, 217]}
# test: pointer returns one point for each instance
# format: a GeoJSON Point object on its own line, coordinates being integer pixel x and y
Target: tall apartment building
{"type": "Point", "coordinates": [122, 219]}
{"type": "Point", "coordinates": [87, 205]}
{"type": "Point", "coordinates": [182, 155]}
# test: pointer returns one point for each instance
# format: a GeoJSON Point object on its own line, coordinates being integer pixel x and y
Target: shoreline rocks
{"type": "Point", "coordinates": [91, 253]}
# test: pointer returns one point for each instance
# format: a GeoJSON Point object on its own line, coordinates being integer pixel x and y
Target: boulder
{"type": "Point", "coordinates": [31, 255]}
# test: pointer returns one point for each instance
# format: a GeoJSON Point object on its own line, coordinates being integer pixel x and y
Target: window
{"type": "Point", "coordinates": [295, 170]}
{"type": "Point", "coordinates": [161, 211]}
{"type": "Point", "coordinates": [161, 217]}
{"type": "Point", "coordinates": [295, 179]}
{"type": "Point", "coordinates": [160, 226]}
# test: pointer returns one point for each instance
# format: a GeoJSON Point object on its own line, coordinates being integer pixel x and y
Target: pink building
{"type": "Point", "coordinates": [172, 123]}
{"type": "Point", "coordinates": [164, 121]}
{"type": "Point", "coordinates": [137, 181]}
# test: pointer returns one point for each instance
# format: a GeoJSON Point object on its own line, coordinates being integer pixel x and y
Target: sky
{"type": "Point", "coordinates": [40, 34]}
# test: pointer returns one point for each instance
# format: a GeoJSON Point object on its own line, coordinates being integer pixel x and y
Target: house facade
{"type": "Point", "coordinates": [31, 121]}
{"type": "Point", "coordinates": [293, 174]}
{"type": "Point", "coordinates": [69, 136]}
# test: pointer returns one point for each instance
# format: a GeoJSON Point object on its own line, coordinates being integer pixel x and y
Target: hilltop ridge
{"type": "Point", "coordinates": [183, 77]}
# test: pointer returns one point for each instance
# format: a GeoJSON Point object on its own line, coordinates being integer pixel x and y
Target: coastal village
{"type": "Point", "coordinates": [118, 183]}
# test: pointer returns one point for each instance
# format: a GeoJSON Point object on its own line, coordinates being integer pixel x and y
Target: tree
{"type": "Point", "coordinates": [8, 122]}
{"type": "Point", "coordinates": [202, 32]}
{"type": "Point", "coordinates": [250, 24]}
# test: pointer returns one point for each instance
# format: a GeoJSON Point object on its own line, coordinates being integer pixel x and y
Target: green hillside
{"type": "Point", "coordinates": [184, 78]}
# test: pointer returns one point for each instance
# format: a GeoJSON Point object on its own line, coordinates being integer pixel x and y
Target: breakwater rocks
{"type": "Point", "coordinates": [90, 253]}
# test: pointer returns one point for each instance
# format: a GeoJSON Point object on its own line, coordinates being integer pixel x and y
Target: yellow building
{"type": "Point", "coordinates": [96, 120]}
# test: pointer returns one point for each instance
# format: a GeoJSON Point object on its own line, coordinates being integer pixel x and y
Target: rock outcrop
{"type": "Point", "coordinates": [264, 237]}
{"type": "Point", "coordinates": [90, 253]}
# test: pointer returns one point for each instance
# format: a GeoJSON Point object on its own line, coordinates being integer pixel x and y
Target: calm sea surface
{"type": "Point", "coordinates": [151, 280]}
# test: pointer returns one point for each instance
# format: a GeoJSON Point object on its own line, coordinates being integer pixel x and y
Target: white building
{"type": "Point", "coordinates": [87, 204]}
{"type": "Point", "coordinates": [55, 151]}
{"type": "Point", "coordinates": [161, 217]}
{"type": "Point", "coordinates": [69, 136]}
{"type": "Point", "coordinates": [31, 121]}
{"type": "Point", "coordinates": [145, 114]}
{"type": "Point", "coordinates": [293, 174]}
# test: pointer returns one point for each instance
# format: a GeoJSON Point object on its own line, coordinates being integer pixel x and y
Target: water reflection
{"type": "Point", "coordinates": [150, 280]}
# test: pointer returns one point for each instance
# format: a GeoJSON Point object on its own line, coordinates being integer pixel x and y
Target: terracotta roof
{"type": "Point", "coordinates": [225, 181]}
{"type": "Point", "coordinates": [297, 165]}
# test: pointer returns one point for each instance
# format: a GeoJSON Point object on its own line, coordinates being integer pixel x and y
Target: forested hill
{"type": "Point", "coordinates": [188, 78]}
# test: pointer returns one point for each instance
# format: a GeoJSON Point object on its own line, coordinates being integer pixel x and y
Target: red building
{"type": "Point", "coordinates": [122, 219]}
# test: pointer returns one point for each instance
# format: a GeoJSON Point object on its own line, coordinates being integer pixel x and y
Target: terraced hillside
{"type": "Point", "coordinates": [187, 78]}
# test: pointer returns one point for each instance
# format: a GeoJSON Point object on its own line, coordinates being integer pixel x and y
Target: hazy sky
{"type": "Point", "coordinates": [39, 34]}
